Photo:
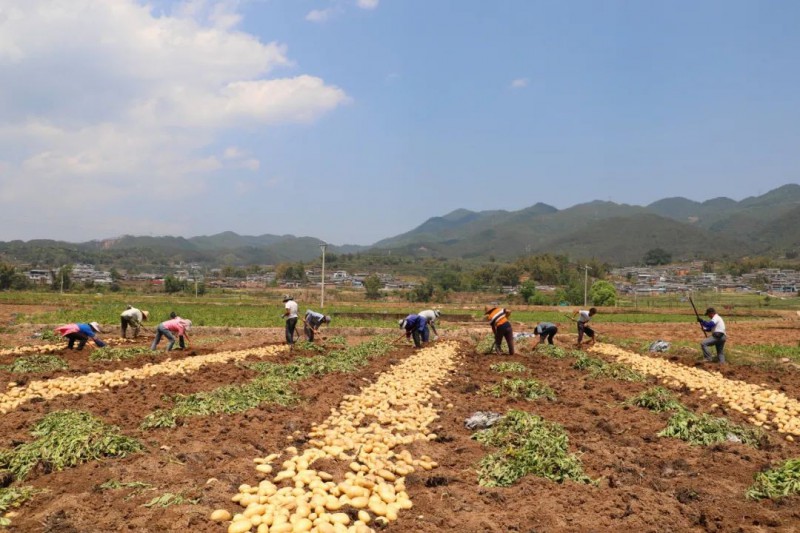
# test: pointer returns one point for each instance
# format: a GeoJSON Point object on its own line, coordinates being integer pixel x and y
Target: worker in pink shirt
{"type": "Point", "coordinates": [175, 326]}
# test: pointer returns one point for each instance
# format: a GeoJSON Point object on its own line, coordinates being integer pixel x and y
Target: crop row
{"type": "Point", "coordinates": [101, 381]}
{"type": "Point", "coordinates": [366, 431]}
{"type": "Point", "coordinates": [764, 407]}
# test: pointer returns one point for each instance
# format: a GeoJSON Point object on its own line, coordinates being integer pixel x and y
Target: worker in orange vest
{"type": "Point", "coordinates": [501, 326]}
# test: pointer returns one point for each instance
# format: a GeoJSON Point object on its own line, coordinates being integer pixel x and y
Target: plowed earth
{"type": "Point", "coordinates": [644, 483]}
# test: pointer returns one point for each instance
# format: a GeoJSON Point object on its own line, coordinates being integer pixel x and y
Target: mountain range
{"type": "Point", "coordinates": [620, 234]}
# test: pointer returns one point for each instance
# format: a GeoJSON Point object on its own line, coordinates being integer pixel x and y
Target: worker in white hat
{"type": "Point", "coordinates": [431, 316]}
{"type": "Point", "coordinates": [132, 317]}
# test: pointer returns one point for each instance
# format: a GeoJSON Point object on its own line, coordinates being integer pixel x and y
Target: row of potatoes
{"type": "Point", "coordinates": [765, 407]}
{"type": "Point", "coordinates": [298, 498]}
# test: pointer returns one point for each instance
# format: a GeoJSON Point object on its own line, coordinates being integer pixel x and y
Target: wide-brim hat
{"type": "Point", "coordinates": [95, 326]}
{"type": "Point", "coordinates": [402, 323]}
{"type": "Point", "coordinates": [286, 297]}
{"type": "Point", "coordinates": [145, 315]}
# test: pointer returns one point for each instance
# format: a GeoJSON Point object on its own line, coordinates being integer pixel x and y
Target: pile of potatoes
{"type": "Point", "coordinates": [295, 497]}
{"type": "Point", "coordinates": [765, 407]}
{"type": "Point", "coordinates": [27, 350]}
{"type": "Point", "coordinates": [103, 381]}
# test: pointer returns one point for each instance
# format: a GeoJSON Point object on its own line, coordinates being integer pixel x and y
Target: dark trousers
{"type": "Point", "coordinates": [549, 333]}
{"type": "Point", "coordinates": [291, 324]}
{"type": "Point", "coordinates": [124, 323]}
{"type": "Point", "coordinates": [309, 331]}
{"type": "Point", "coordinates": [718, 341]}
{"type": "Point", "coordinates": [583, 328]}
{"type": "Point", "coordinates": [504, 332]}
{"type": "Point", "coordinates": [77, 336]}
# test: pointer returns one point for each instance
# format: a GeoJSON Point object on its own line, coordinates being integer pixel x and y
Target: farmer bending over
{"type": "Point", "coordinates": [583, 324]}
{"type": "Point", "coordinates": [81, 333]}
{"type": "Point", "coordinates": [416, 326]}
{"type": "Point", "coordinates": [498, 318]}
{"type": "Point", "coordinates": [175, 326]}
{"type": "Point", "coordinates": [311, 323]}
{"type": "Point", "coordinates": [431, 316]}
{"type": "Point", "coordinates": [132, 317]}
{"type": "Point", "coordinates": [545, 330]}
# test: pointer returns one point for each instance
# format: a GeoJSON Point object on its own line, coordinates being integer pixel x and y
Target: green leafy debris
{"type": "Point", "coordinates": [527, 389]}
{"type": "Point", "coordinates": [12, 497]}
{"type": "Point", "coordinates": [36, 363]}
{"type": "Point", "coordinates": [508, 366]}
{"type": "Point", "coordinates": [119, 354]}
{"type": "Point", "coordinates": [705, 430]}
{"type": "Point", "coordinates": [65, 439]}
{"type": "Point", "coordinates": [528, 444]}
{"type": "Point", "coordinates": [777, 482]}
{"type": "Point", "coordinates": [167, 499]}
{"type": "Point", "coordinates": [600, 368]}
{"type": "Point", "coordinates": [656, 399]}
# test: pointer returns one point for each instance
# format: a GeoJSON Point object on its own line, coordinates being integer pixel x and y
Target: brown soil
{"type": "Point", "coordinates": [644, 483]}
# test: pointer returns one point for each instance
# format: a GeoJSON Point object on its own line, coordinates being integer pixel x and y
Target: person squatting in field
{"type": "Point", "coordinates": [290, 315]}
{"type": "Point", "coordinates": [311, 323]}
{"type": "Point", "coordinates": [501, 327]}
{"type": "Point", "coordinates": [175, 326]}
{"type": "Point", "coordinates": [416, 327]}
{"type": "Point", "coordinates": [718, 337]}
{"type": "Point", "coordinates": [544, 330]}
{"type": "Point", "coordinates": [431, 316]}
{"type": "Point", "coordinates": [132, 317]}
{"type": "Point", "coordinates": [81, 333]}
{"type": "Point", "coordinates": [583, 324]}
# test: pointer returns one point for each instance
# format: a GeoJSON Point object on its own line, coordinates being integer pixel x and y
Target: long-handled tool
{"type": "Point", "coordinates": [699, 320]}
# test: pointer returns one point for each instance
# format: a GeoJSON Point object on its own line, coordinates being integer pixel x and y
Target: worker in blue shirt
{"type": "Point", "coordinates": [416, 326]}
{"type": "Point", "coordinates": [311, 323]}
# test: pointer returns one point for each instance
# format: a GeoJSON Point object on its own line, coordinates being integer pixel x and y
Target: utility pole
{"type": "Point", "coordinates": [585, 283]}
{"type": "Point", "coordinates": [322, 294]}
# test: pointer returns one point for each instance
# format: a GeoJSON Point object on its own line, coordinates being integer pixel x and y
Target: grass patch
{"type": "Point", "coordinates": [526, 389]}
{"type": "Point", "coordinates": [777, 482]}
{"type": "Point", "coordinates": [705, 430]}
{"type": "Point", "coordinates": [50, 335]}
{"type": "Point", "coordinates": [273, 385]}
{"type": "Point", "coordinates": [168, 499]}
{"type": "Point", "coordinates": [656, 399]}
{"type": "Point", "coordinates": [508, 366]}
{"type": "Point", "coordinates": [119, 354]}
{"type": "Point", "coordinates": [309, 346]}
{"type": "Point", "coordinates": [528, 444]}
{"type": "Point", "coordinates": [36, 363]}
{"type": "Point", "coordinates": [65, 439]}
{"type": "Point", "coordinates": [600, 368]}
{"type": "Point", "coordinates": [485, 345]}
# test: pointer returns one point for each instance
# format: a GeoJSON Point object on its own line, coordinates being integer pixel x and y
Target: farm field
{"type": "Point", "coordinates": [379, 427]}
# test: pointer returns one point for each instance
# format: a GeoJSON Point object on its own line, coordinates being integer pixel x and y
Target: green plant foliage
{"type": "Point", "coordinates": [119, 354]}
{"type": "Point", "coordinates": [65, 439]}
{"type": "Point", "coordinates": [274, 385]}
{"type": "Point", "coordinates": [11, 497]}
{"type": "Point", "coordinates": [600, 368]}
{"type": "Point", "coordinates": [777, 482]}
{"type": "Point", "coordinates": [552, 351]}
{"type": "Point", "coordinates": [485, 345]}
{"type": "Point", "coordinates": [36, 363]}
{"type": "Point", "coordinates": [656, 399]}
{"type": "Point", "coordinates": [508, 366]}
{"type": "Point", "coordinates": [527, 389]}
{"type": "Point", "coordinates": [527, 444]}
{"type": "Point", "coordinates": [706, 430]}
{"type": "Point", "coordinates": [168, 499]}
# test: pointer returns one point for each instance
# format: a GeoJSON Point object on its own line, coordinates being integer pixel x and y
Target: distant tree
{"type": "Point", "coordinates": [173, 284]}
{"type": "Point", "coordinates": [421, 293]}
{"type": "Point", "coordinates": [373, 286]}
{"type": "Point", "coordinates": [508, 275]}
{"type": "Point", "coordinates": [6, 275]}
{"type": "Point", "coordinates": [115, 275]}
{"type": "Point", "coordinates": [657, 256]}
{"type": "Point", "coordinates": [527, 290]}
{"type": "Point", "coordinates": [446, 280]}
{"type": "Point", "coordinates": [603, 293]}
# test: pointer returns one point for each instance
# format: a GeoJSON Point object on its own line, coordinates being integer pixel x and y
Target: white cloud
{"type": "Point", "coordinates": [367, 4]}
{"type": "Point", "coordinates": [114, 99]}
{"type": "Point", "coordinates": [319, 15]}
{"type": "Point", "coordinates": [519, 83]}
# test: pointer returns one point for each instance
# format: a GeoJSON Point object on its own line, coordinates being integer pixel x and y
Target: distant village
{"type": "Point", "coordinates": [643, 280]}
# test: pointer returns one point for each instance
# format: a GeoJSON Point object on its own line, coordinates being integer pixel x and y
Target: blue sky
{"type": "Point", "coordinates": [355, 120]}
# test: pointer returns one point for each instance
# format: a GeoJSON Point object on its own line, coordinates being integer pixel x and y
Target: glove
{"type": "Point", "coordinates": [99, 343]}
{"type": "Point", "coordinates": [700, 320]}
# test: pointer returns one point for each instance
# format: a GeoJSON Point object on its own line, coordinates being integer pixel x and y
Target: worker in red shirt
{"type": "Point", "coordinates": [175, 326]}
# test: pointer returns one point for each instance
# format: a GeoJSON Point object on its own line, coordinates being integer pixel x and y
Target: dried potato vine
{"type": "Point", "coordinates": [366, 430]}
